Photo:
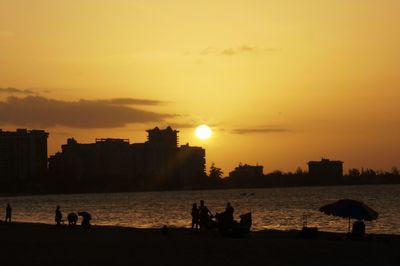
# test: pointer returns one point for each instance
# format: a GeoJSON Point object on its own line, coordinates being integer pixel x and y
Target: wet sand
{"type": "Point", "coordinates": [41, 244]}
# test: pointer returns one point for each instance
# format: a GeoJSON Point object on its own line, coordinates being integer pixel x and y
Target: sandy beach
{"type": "Point", "coordinates": [41, 244]}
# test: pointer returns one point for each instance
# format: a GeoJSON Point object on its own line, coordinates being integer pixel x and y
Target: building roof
{"type": "Point", "coordinates": [323, 160]}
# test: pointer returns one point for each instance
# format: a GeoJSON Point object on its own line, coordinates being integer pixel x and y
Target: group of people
{"type": "Point", "coordinates": [58, 217]}
{"type": "Point", "coordinates": [202, 216]}
{"type": "Point", "coordinates": [73, 218]}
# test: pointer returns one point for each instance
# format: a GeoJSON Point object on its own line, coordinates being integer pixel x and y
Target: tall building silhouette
{"type": "Point", "coordinates": [23, 155]}
{"type": "Point", "coordinates": [116, 164]}
{"type": "Point", "coordinates": [191, 161]}
{"type": "Point", "coordinates": [325, 168]}
{"type": "Point", "coordinates": [165, 138]}
{"type": "Point", "coordinates": [104, 162]}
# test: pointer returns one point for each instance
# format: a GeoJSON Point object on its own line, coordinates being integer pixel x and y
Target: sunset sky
{"type": "Point", "coordinates": [279, 82]}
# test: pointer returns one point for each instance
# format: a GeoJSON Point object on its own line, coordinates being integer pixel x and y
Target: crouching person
{"type": "Point", "coordinates": [72, 219]}
{"type": "Point", "coordinates": [86, 217]}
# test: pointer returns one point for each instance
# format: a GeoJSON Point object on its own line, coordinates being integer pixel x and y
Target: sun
{"type": "Point", "coordinates": [203, 132]}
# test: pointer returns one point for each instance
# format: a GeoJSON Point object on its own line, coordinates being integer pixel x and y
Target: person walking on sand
{"type": "Point", "coordinates": [58, 216]}
{"type": "Point", "coordinates": [195, 217]}
{"type": "Point", "coordinates": [8, 213]}
{"type": "Point", "coordinates": [204, 215]}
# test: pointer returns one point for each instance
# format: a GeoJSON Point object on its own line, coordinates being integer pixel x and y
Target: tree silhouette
{"type": "Point", "coordinates": [368, 172]}
{"type": "Point", "coordinates": [300, 172]}
{"type": "Point", "coordinates": [215, 172]}
{"type": "Point", "coordinates": [394, 171]}
{"type": "Point", "coordinates": [353, 172]}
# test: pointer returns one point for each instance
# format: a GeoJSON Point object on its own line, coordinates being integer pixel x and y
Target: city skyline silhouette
{"type": "Point", "coordinates": [278, 83]}
{"type": "Point", "coordinates": [159, 163]}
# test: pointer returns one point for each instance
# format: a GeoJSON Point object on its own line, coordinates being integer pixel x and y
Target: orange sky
{"type": "Point", "coordinates": [280, 82]}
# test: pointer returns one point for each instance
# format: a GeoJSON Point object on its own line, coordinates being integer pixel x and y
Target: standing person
{"type": "Point", "coordinates": [229, 214]}
{"type": "Point", "coordinates": [195, 217]}
{"type": "Point", "coordinates": [204, 215]}
{"type": "Point", "coordinates": [8, 213]}
{"type": "Point", "coordinates": [58, 216]}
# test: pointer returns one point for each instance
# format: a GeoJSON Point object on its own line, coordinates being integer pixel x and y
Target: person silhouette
{"type": "Point", "coordinates": [204, 215]}
{"type": "Point", "coordinates": [229, 214]}
{"type": "Point", "coordinates": [72, 219]}
{"type": "Point", "coordinates": [195, 217]}
{"type": "Point", "coordinates": [8, 213]}
{"type": "Point", "coordinates": [58, 216]}
{"type": "Point", "coordinates": [86, 217]}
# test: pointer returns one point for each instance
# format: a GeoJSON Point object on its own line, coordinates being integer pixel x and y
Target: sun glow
{"type": "Point", "coordinates": [203, 132]}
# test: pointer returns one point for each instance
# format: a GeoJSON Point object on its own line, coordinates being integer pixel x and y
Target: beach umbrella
{"type": "Point", "coordinates": [351, 209]}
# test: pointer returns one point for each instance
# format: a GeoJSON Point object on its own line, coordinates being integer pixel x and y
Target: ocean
{"type": "Point", "coordinates": [272, 208]}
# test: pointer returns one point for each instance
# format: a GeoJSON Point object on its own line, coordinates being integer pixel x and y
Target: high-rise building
{"type": "Point", "coordinates": [163, 137]}
{"type": "Point", "coordinates": [325, 168]}
{"type": "Point", "coordinates": [23, 155]}
{"type": "Point", "coordinates": [156, 164]}
{"type": "Point", "coordinates": [191, 165]}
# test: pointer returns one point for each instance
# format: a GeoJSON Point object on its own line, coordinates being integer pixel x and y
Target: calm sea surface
{"type": "Point", "coordinates": [277, 208]}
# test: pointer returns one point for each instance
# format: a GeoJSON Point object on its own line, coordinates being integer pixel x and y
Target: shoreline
{"type": "Point", "coordinates": [172, 228]}
{"type": "Point", "coordinates": [44, 244]}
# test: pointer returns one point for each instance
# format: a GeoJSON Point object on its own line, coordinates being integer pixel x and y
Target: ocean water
{"type": "Point", "coordinates": [272, 208]}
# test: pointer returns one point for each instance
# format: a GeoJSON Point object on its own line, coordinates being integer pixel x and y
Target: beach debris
{"type": "Point", "coordinates": [306, 231]}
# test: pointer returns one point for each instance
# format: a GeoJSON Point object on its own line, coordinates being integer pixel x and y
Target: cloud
{"type": "Point", "coordinates": [238, 50]}
{"type": "Point", "coordinates": [265, 130]}
{"type": "Point", "coordinates": [130, 101]}
{"type": "Point", "coordinates": [46, 112]}
{"type": "Point", "coordinates": [229, 51]}
{"type": "Point", "coordinates": [16, 91]}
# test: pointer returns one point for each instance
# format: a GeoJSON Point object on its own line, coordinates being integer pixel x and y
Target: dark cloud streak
{"type": "Point", "coordinates": [46, 112]}
{"type": "Point", "coordinates": [130, 101]}
{"type": "Point", "coordinates": [16, 91]}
